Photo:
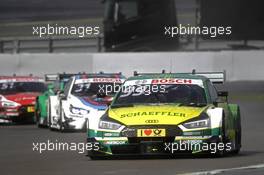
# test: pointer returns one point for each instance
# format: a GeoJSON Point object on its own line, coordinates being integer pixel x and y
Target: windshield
{"type": "Point", "coordinates": [20, 87]}
{"type": "Point", "coordinates": [169, 93]}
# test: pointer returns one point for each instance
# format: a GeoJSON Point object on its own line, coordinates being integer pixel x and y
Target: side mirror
{"type": "Point", "coordinates": [218, 100]}
{"type": "Point", "coordinates": [222, 94]}
{"type": "Point", "coordinates": [222, 97]}
{"type": "Point", "coordinates": [59, 91]}
{"type": "Point", "coordinates": [62, 96]}
{"type": "Point", "coordinates": [50, 86]}
{"type": "Point", "coordinates": [56, 91]}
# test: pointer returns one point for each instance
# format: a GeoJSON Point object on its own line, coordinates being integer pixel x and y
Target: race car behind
{"type": "Point", "coordinates": [18, 96]}
{"type": "Point", "coordinates": [85, 96]}
{"type": "Point", "coordinates": [56, 85]}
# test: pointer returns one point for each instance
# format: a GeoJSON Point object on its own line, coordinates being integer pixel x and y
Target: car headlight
{"type": "Point", "coordinates": [202, 122]}
{"type": "Point", "coordinates": [109, 125]}
{"type": "Point", "coordinates": [78, 111]}
{"type": "Point", "coordinates": [9, 104]}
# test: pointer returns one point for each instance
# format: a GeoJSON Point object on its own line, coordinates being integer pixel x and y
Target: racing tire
{"type": "Point", "coordinates": [37, 114]}
{"type": "Point", "coordinates": [49, 118]}
{"type": "Point", "coordinates": [52, 129]}
{"type": "Point", "coordinates": [237, 143]}
{"type": "Point", "coordinates": [37, 118]}
{"type": "Point", "coordinates": [62, 127]}
{"type": "Point", "coordinates": [94, 156]}
{"type": "Point", "coordinates": [97, 157]}
{"type": "Point", "coordinates": [238, 135]}
{"type": "Point", "coordinates": [222, 153]}
{"type": "Point", "coordinates": [86, 128]}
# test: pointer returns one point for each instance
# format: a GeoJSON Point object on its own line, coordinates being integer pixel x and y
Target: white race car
{"type": "Point", "coordinates": [84, 96]}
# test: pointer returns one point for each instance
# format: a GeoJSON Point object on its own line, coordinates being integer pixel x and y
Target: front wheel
{"type": "Point", "coordinates": [238, 135]}
{"type": "Point", "coordinates": [62, 127]}
{"type": "Point", "coordinates": [60, 124]}
{"type": "Point", "coordinates": [49, 117]}
{"type": "Point", "coordinates": [37, 115]}
{"type": "Point", "coordinates": [222, 153]}
{"type": "Point", "coordinates": [37, 118]}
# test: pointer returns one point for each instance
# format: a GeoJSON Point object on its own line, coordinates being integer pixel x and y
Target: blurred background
{"type": "Point", "coordinates": [130, 25]}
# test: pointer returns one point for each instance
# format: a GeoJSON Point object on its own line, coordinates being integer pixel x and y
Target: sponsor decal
{"type": "Point", "coordinates": [151, 132]}
{"type": "Point", "coordinates": [164, 81]}
{"type": "Point", "coordinates": [11, 114]}
{"type": "Point", "coordinates": [107, 80]}
{"type": "Point", "coordinates": [160, 113]}
{"type": "Point", "coordinates": [99, 80]}
{"type": "Point", "coordinates": [172, 81]}
{"type": "Point", "coordinates": [115, 142]}
{"type": "Point", "coordinates": [111, 134]}
{"type": "Point", "coordinates": [196, 133]}
{"type": "Point", "coordinates": [25, 98]}
{"type": "Point", "coordinates": [11, 80]}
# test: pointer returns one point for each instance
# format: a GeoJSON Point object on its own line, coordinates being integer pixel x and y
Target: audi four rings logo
{"type": "Point", "coordinates": [152, 121]}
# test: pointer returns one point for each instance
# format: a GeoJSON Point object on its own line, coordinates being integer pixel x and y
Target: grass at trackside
{"type": "Point", "coordinates": [21, 29]}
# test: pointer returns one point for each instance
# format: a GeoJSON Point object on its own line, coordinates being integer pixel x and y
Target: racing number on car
{"type": "Point", "coordinates": [151, 132]}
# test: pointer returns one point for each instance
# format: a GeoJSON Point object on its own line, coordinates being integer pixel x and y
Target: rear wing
{"type": "Point", "coordinates": [214, 77]}
{"type": "Point", "coordinates": [54, 77]}
{"type": "Point", "coordinates": [101, 73]}
{"type": "Point", "coordinates": [51, 77]}
{"type": "Point", "coordinates": [136, 73]}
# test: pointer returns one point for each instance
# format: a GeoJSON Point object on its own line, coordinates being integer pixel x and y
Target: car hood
{"type": "Point", "coordinates": [99, 103]}
{"type": "Point", "coordinates": [23, 98]}
{"type": "Point", "coordinates": [158, 115]}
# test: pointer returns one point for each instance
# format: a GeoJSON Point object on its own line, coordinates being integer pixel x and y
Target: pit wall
{"type": "Point", "coordinates": [239, 65]}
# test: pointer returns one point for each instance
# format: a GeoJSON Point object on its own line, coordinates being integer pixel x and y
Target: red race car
{"type": "Point", "coordinates": [18, 97]}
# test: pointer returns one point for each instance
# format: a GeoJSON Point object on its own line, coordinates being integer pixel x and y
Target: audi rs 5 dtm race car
{"type": "Point", "coordinates": [57, 83]}
{"type": "Point", "coordinates": [18, 96]}
{"type": "Point", "coordinates": [84, 96]}
{"type": "Point", "coordinates": [165, 114]}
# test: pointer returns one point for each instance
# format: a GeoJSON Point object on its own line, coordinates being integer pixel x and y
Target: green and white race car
{"type": "Point", "coordinates": [166, 114]}
{"type": "Point", "coordinates": [56, 84]}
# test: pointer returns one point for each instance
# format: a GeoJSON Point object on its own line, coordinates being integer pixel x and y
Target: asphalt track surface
{"type": "Point", "coordinates": [17, 155]}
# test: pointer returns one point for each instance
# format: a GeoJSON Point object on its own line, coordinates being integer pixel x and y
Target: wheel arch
{"type": "Point", "coordinates": [235, 110]}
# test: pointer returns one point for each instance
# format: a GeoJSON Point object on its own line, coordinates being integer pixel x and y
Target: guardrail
{"type": "Point", "coordinates": [51, 44]}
